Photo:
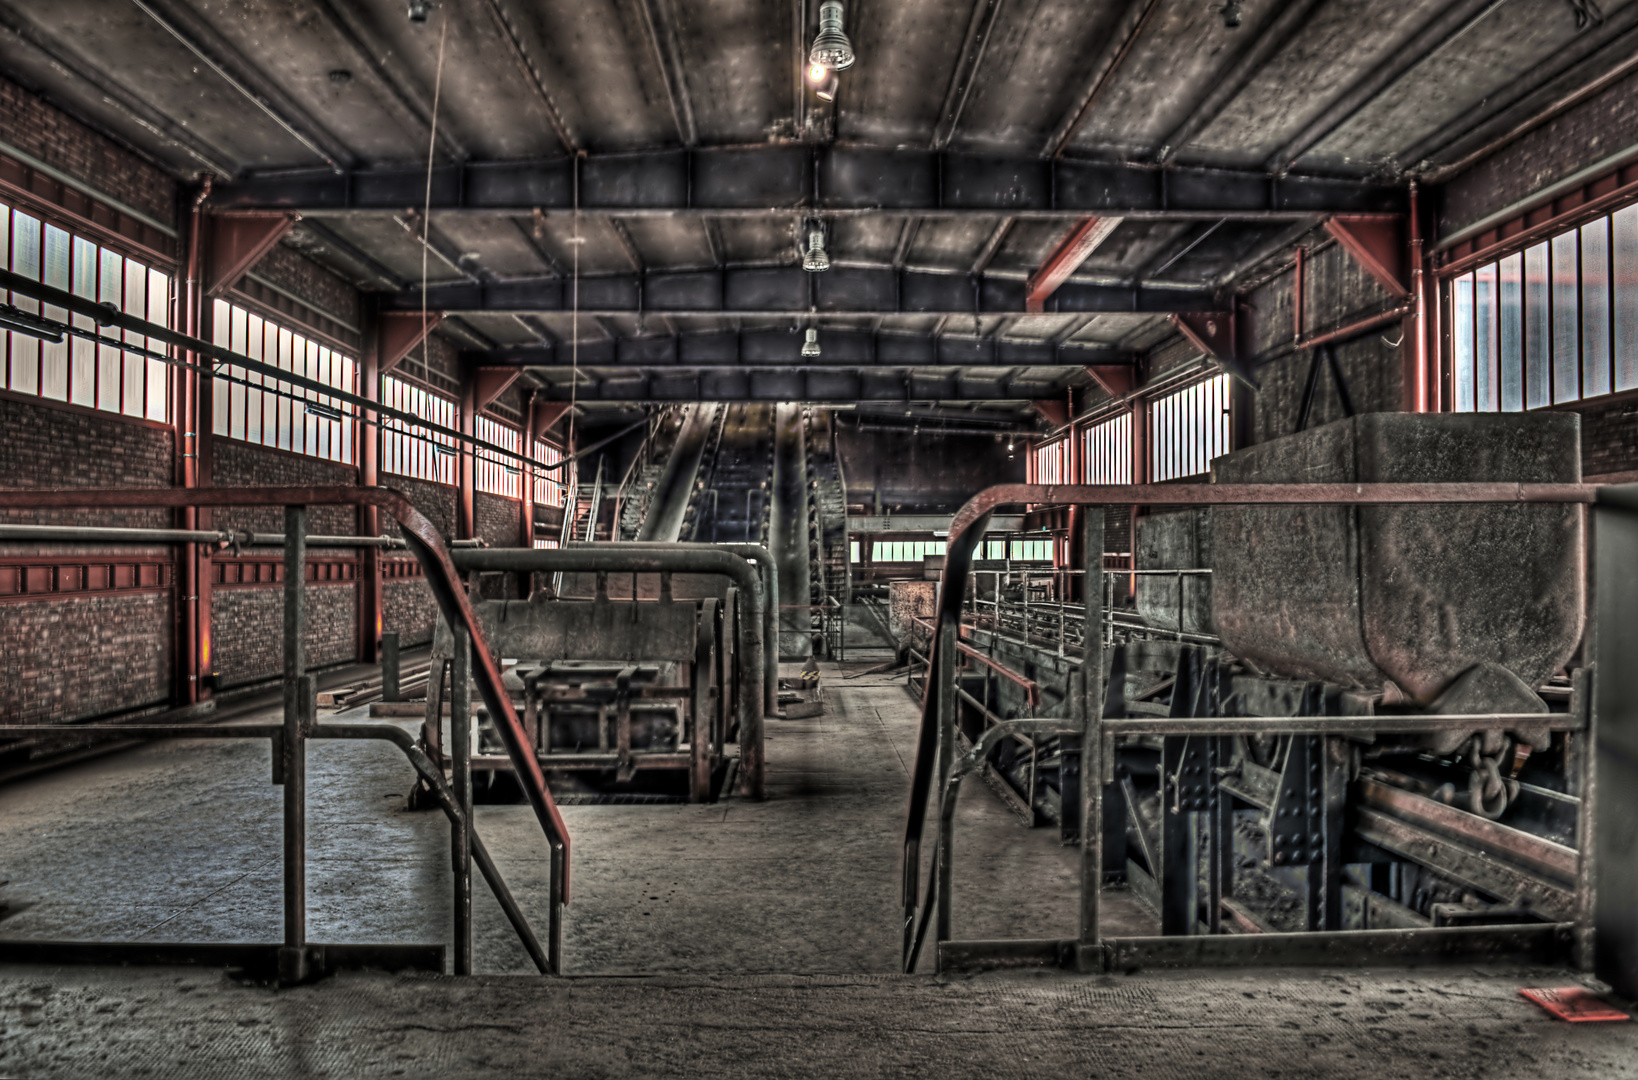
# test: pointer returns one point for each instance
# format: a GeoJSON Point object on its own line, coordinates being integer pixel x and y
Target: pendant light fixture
{"type": "Point", "coordinates": [814, 260]}
{"type": "Point", "coordinates": [831, 49]}
{"type": "Point", "coordinates": [810, 347]}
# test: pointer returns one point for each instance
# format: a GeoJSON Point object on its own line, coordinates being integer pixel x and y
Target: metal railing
{"type": "Point", "coordinates": [296, 957]}
{"type": "Point", "coordinates": [937, 758]}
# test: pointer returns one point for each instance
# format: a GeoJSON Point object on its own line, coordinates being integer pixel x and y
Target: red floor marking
{"type": "Point", "coordinates": [1574, 1003]}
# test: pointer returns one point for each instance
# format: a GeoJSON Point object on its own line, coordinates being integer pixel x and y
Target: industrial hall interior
{"type": "Point", "coordinates": [837, 538]}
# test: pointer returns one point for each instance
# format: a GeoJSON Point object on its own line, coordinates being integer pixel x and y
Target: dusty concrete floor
{"type": "Point", "coordinates": [766, 934]}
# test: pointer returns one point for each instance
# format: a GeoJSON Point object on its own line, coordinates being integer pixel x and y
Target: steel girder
{"type": "Point", "coordinates": [841, 349]}
{"type": "Point", "coordinates": [797, 179]}
{"type": "Point", "coordinates": [801, 384]}
{"type": "Point", "coordinates": [790, 291]}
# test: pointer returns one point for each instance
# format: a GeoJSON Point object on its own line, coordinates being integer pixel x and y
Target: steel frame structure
{"type": "Point", "coordinates": [1603, 935]}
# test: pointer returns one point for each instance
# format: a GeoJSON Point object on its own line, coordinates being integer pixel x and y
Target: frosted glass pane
{"type": "Point", "coordinates": [1566, 318]}
{"type": "Point", "coordinates": [1485, 352]}
{"type": "Point", "coordinates": [1624, 242]}
{"type": "Point", "coordinates": [1595, 308]}
{"type": "Point", "coordinates": [1537, 323]}
{"type": "Point", "coordinates": [1461, 343]}
{"type": "Point", "coordinates": [1510, 331]}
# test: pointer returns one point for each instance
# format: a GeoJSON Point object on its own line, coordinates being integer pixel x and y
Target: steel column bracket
{"type": "Point", "coordinates": [489, 383]}
{"type": "Point", "coordinates": [238, 242]}
{"type": "Point", "coordinates": [547, 413]}
{"type": "Point", "coordinates": [1117, 380]}
{"type": "Point", "coordinates": [1222, 335]}
{"type": "Point", "coordinates": [1377, 244]}
{"type": "Point", "coordinates": [1056, 412]}
{"type": "Point", "coordinates": [1066, 258]}
{"type": "Point", "coordinates": [399, 332]}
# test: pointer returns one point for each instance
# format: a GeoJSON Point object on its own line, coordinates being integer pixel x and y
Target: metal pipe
{"type": "Point", "coordinates": [223, 537]}
{"type": "Point", "coordinates": [769, 571]}
{"type": "Point", "coordinates": [460, 776]}
{"type": "Point", "coordinates": [634, 559]}
{"type": "Point", "coordinates": [299, 691]}
{"type": "Point", "coordinates": [1353, 329]}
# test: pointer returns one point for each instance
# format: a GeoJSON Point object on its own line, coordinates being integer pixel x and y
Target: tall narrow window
{"type": "Point", "coordinates": [1052, 462]}
{"type": "Point", "coordinates": [1188, 429]}
{"type": "Point", "coordinates": [1108, 452]}
{"type": "Point", "coordinates": [409, 449]}
{"type": "Point", "coordinates": [78, 370]}
{"type": "Point", "coordinates": [1554, 323]}
{"type": "Point", "coordinates": [498, 474]}
{"type": "Point", "coordinates": [268, 411]}
{"type": "Point", "coordinates": [549, 486]}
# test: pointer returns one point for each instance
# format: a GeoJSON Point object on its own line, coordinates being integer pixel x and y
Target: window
{"type": "Point", "coordinates": [1108, 452]}
{"type": "Point", "coordinates": [1555, 322]}
{"type": "Point", "coordinates": [496, 474]}
{"type": "Point", "coordinates": [269, 412]}
{"type": "Point", "coordinates": [77, 370]}
{"type": "Point", "coordinates": [1052, 463]}
{"type": "Point", "coordinates": [906, 550]}
{"type": "Point", "coordinates": [852, 551]}
{"type": "Point", "coordinates": [549, 486]}
{"type": "Point", "coordinates": [1188, 429]}
{"type": "Point", "coordinates": [1018, 550]}
{"type": "Point", "coordinates": [407, 450]}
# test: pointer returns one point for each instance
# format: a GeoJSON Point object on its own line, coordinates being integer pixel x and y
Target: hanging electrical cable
{"type": "Point", "coordinates": [426, 210]}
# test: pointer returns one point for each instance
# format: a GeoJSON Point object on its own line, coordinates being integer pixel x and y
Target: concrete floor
{"type": "Point", "coordinates": [739, 939]}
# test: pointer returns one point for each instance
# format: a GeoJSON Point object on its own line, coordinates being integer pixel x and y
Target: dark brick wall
{"type": "Point", "coordinates": [1609, 437]}
{"type": "Point", "coordinates": [307, 279]}
{"type": "Point", "coordinates": [934, 475]}
{"type": "Point", "coordinates": [63, 660]}
{"type": "Point", "coordinates": [498, 518]}
{"type": "Point", "coordinates": [242, 464]}
{"type": "Point", "coordinates": [247, 628]}
{"type": "Point", "coordinates": [408, 608]}
{"type": "Point", "coordinates": [1584, 135]}
{"type": "Point", "coordinates": [436, 501]}
{"type": "Point", "coordinates": [106, 451]}
{"type": "Point", "coordinates": [59, 140]}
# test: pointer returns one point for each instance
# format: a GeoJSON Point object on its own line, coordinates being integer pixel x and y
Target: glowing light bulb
{"type": "Point", "coordinates": [817, 73]}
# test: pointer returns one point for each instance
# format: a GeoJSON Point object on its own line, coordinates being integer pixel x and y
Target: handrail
{"type": "Point", "coordinates": [595, 504]}
{"type": "Point", "coordinates": [429, 549]}
{"type": "Point", "coordinates": [967, 528]}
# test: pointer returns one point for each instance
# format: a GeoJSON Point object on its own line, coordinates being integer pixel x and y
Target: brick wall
{"type": "Point", "coordinates": [408, 608]}
{"type": "Point", "coordinates": [291, 270]}
{"type": "Point", "coordinates": [247, 630]}
{"type": "Point", "coordinates": [1609, 437]}
{"type": "Point", "coordinates": [63, 660]}
{"type": "Point", "coordinates": [499, 519]}
{"type": "Point", "coordinates": [242, 464]}
{"type": "Point", "coordinates": [59, 140]}
{"type": "Point", "coordinates": [70, 659]}
{"type": "Point", "coordinates": [436, 501]}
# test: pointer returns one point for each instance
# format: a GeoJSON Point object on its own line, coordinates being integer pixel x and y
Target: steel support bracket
{"type": "Point", "coordinates": [1378, 245]}
{"type": "Point", "coordinates": [1225, 336]}
{"type": "Point", "coordinates": [238, 242]}
{"type": "Point", "coordinates": [399, 332]}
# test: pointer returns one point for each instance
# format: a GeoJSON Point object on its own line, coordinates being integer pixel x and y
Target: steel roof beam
{"type": "Point", "coordinates": [791, 292]}
{"type": "Point", "coordinates": [802, 384]}
{"type": "Point", "coordinates": [758, 181]}
{"type": "Point", "coordinates": [846, 349]}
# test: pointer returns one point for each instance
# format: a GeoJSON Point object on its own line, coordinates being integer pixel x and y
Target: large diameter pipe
{"type": "Point", "coordinates": [621, 558]}
{"type": "Point", "coordinates": [770, 598]}
{"type": "Point", "coordinates": [224, 537]}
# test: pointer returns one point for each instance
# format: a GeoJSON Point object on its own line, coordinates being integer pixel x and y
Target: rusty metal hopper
{"type": "Point", "coordinates": [1412, 594]}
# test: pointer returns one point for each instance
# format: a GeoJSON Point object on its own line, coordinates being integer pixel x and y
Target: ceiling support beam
{"type": "Point", "coordinates": [1287, 22]}
{"type": "Point", "coordinates": [1378, 245]}
{"type": "Point", "coordinates": [799, 384]}
{"type": "Point", "coordinates": [790, 292]}
{"type": "Point", "coordinates": [238, 242]}
{"type": "Point", "coordinates": [196, 35]}
{"type": "Point", "coordinates": [1131, 26]}
{"type": "Point", "coordinates": [1225, 337]}
{"type": "Point", "coordinates": [662, 35]}
{"type": "Point", "coordinates": [506, 27]}
{"type": "Point", "coordinates": [979, 24]}
{"type": "Point", "coordinates": [1442, 30]}
{"type": "Point", "coordinates": [1070, 253]}
{"type": "Point", "coordinates": [801, 181]}
{"type": "Point", "coordinates": [847, 349]}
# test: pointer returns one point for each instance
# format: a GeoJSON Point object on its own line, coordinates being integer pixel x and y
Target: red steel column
{"type": "Point", "coordinates": [186, 421]}
{"type": "Point", "coordinates": [466, 525]}
{"type": "Point", "coordinates": [370, 607]}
